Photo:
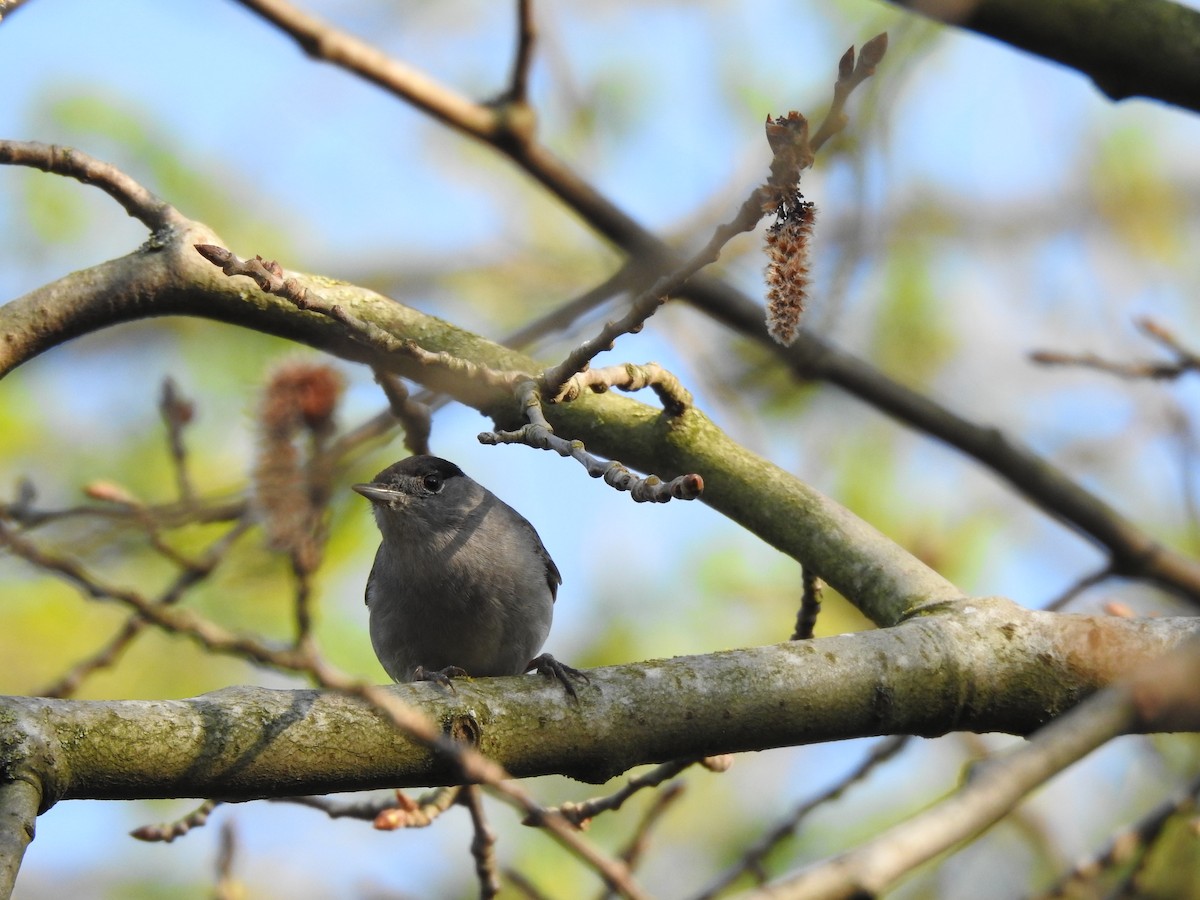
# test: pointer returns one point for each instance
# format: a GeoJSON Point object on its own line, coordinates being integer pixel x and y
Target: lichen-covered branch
{"type": "Point", "coordinates": [1020, 668]}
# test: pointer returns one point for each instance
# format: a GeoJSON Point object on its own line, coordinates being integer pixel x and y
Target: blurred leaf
{"type": "Point", "coordinates": [55, 209]}
{"type": "Point", "coordinates": [1143, 208]}
{"type": "Point", "coordinates": [911, 338]}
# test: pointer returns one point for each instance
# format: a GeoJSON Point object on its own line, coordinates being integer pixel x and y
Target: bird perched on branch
{"type": "Point", "coordinates": [462, 584]}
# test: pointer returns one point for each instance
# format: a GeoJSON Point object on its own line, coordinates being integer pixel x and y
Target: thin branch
{"type": "Point", "coordinates": [1159, 696]}
{"type": "Point", "coordinates": [524, 885]}
{"type": "Point", "coordinates": [810, 606]}
{"type": "Point", "coordinates": [646, 304]}
{"type": "Point", "coordinates": [419, 813]}
{"type": "Point", "coordinates": [108, 655]}
{"type": "Point", "coordinates": [269, 277]}
{"type": "Point", "coordinates": [851, 73]}
{"type": "Point", "coordinates": [639, 841]}
{"type": "Point", "coordinates": [413, 416]}
{"type": "Point", "coordinates": [581, 813]}
{"type": "Point", "coordinates": [754, 857]}
{"type": "Point", "coordinates": [1159, 371]}
{"type": "Point", "coordinates": [1124, 846]}
{"type": "Point", "coordinates": [483, 843]}
{"type": "Point", "coordinates": [362, 808]}
{"type": "Point", "coordinates": [165, 515]}
{"type": "Point", "coordinates": [166, 832]}
{"type": "Point", "coordinates": [140, 203]}
{"type": "Point", "coordinates": [570, 312]}
{"type": "Point", "coordinates": [1186, 360]}
{"type": "Point", "coordinates": [539, 434]}
{"type": "Point", "coordinates": [227, 886]}
{"type": "Point", "coordinates": [518, 89]}
{"type": "Point", "coordinates": [1081, 584]}
{"type": "Point", "coordinates": [177, 413]}
{"type": "Point", "coordinates": [321, 41]}
{"type": "Point", "coordinates": [675, 398]}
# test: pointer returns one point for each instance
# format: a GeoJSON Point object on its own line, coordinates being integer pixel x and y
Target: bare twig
{"type": "Point", "coordinates": [1081, 584]}
{"type": "Point", "coordinates": [227, 887]}
{"type": "Point", "coordinates": [107, 655]}
{"type": "Point", "coordinates": [165, 515]}
{"type": "Point", "coordinates": [851, 74]}
{"type": "Point", "coordinates": [538, 433]}
{"type": "Point", "coordinates": [580, 813]}
{"type": "Point", "coordinates": [524, 885]}
{"type": "Point", "coordinates": [651, 300]}
{"type": "Point", "coordinates": [419, 813]}
{"type": "Point", "coordinates": [177, 413]}
{"type": "Point", "coordinates": [1186, 360]}
{"type": "Point", "coordinates": [518, 87]}
{"type": "Point", "coordinates": [483, 843]}
{"type": "Point", "coordinates": [810, 606]}
{"type": "Point", "coordinates": [1124, 846]}
{"type": "Point", "coordinates": [639, 841]}
{"type": "Point", "coordinates": [166, 832]}
{"type": "Point", "coordinates": [1133, 370]}
{"type": "Point", "coordinates": [755, 856]}
{"type": "Point", "coordinates": [674, 397]}
{"type": "Point", "coordinates": [140, 203]}
{"type": "Point", "coordinates": [362, 808]}
{"type": "Point", "coordinates": [414, 416]}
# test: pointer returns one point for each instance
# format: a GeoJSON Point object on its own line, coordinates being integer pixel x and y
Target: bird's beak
{"type": "Point", "coordinates": [377, 493]}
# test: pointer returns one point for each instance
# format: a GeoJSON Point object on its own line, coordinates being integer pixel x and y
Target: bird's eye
{"type": "Point", "coordinates": [433, 483]}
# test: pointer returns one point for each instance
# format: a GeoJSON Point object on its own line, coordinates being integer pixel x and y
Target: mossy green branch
{"type": "Point", "coordinates": [171, 278]}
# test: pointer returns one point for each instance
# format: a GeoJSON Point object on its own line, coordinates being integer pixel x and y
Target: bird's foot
{"type": "Point", "coordinates": [550, 667]}
{"type": "Point", "coordinates": [439, 676]}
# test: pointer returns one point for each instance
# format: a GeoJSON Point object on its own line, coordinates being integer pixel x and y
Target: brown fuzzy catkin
{"type": "Point", "coordinates": [787, 273]}
{"type": "Point", "coordinates": [300, 397]}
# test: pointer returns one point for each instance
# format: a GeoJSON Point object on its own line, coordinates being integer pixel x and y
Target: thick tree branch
{"type": "Point", "coordinates": [993, 666]}
{"type": "Point", "coordinates": [172, 278]}
{"type": "Point", "coordinates": [1129, 48]}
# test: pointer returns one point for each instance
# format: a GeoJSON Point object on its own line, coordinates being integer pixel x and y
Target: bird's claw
{"type": "Point", "coordinates": [439, 676]}
{"type": "Point", "coordinates": [550, 667]}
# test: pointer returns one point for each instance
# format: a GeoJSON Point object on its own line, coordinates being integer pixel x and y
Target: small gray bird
{"type": "Point", "coordinates": [462, 584]}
